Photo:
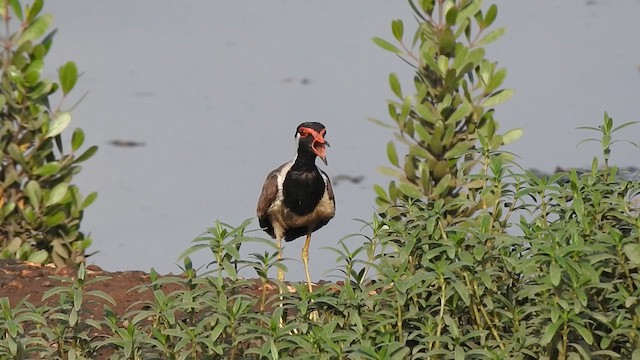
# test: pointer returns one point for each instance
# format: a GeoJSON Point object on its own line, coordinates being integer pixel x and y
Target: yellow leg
{"type": "Point", "coordinates": [305, 260]}
{"type": "Point", "coordinates": [280, 270]}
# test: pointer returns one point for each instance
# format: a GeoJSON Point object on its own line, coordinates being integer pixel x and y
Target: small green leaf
{"type": "Point", "coordinates": [68, 75]}
{"type": "Point", "coordinates": [15, 6]}
{"type": "Point", "coordinates": [58, 124]}
{"type": "Point", "coordinates": [394, 84]}
{"type": "Point", "coordinates": [550, 332]}
{"type": "Point", "coordinates": [386, 45]}
{"type": "Point", "coordinates": [498, 97]}
{"type": "Point", "coordinates": [55, 219]}
{"type": "Point", "coordinates": [578, 207]}
{"type": "Point", "coordinates": [491, 37]}
{"type": "Point", "coordinates": [462, 111]}
{"type": "Point", "coordinates": [468, 11]}
{"type": "Point", "coordinates": [385, 170]}
{"type": "Point", "coordinates": [462, 290]}
{"type": "Point", "coordinates": [33, 192]}
{"type": "Point", "coordinates": [48, 169]}
{"type": "Point", "coordinates": [441, 186]}
{"type": "Point", "coordinates": [633, 252]}
{"type": "Point", "coordinates": [451, 16]}
{"type": "Point", "coordinates": [584, 332]}
{"type": "Point", "coordinates": [77, 139]}
{"type": "Point", "coordinates": [457, 150]}
{"type": "Point", "coordinates": [57, 193]}
{"type": "Point", "coordinates": [38, 257]}
{"type": "Point", "coordinates": [410, 190]}
{"type": "Point", "coordinates": [37, 28]}
{"type": "Point", "coordinates": [16, 154]}
{"type": "Point", "coordinates": [89, 200]}
{"type": "Point", "coordinates": [34, 10]}
{"type": "Point", "coordinates": [392, 154]}
{"type": "Point", "coordinates": [73, 317]}
{"type": "Point", "coordinates": [491, 15]}
{"type": "Point", "coordinates": [86, 155]}
{"type": "Point", "coordinates": [555, 273]}
{"type": "Point", "coordinates": [511, 136]}
{"type": "Point", "coordinates": [397, 28]}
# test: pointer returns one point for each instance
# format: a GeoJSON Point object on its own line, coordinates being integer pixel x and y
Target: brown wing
{"type": "Point", "coordinates": [267, 197]}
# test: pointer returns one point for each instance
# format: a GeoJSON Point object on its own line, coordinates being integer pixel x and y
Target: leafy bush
{"type": "Point", "coordinates": [469, 257]}
{"type": "Point", "coordinates": [40, 209]}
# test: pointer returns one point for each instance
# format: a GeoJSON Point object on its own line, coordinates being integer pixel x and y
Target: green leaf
{"type": "Point", "coordinates": [550, 332]}
{"type": "Point", "coordinates": [386, 45]}
{"type": "Point", "coordinates": [86, 155]}
{"type": "Point", "coordinates": [58, 124]}
{"type": "Point", "coordinates": [77, 139]}
{"type": "Point", "coordinates": [394, 84]}
{"type": "Point", "coordinates": [89, 200]}
{"type": "Point", "coordinates": [380, 123]}
{"type": "Point", "coordinates": [57, 193]}
{"type": "Point", "coordinates": [442, 185]}
{"type": "Point", "coordinates": [584, 332]}
{"type": "Point", "coordinates": [633, 252]}
{"type": "Point", "coordinates": [459, 353]}
{"type": "Point", "coordinates": [491, 15]}
{"type": "Point", "coordinates": [17, 9]}
{"type": "Point", "coordinates": [457, 150]}
{"type": "Point", "coordinates": [578, 207]}
{"type": "Point", "coordinates": [511, 136]}
{"type": "Point", "coordinates": [34, 10]}
{"type": "Point", "coordinates": [392, 154]}
{"type": "Point", "coordinates": [33, 192]}
{"type": "Point", "coordinates": [397, 28]}
{"type": "Point", "coordinates": [68, 75]}
{"type": "Point", "coordinates": [48, 40]}
{"type": "Point", "coordinates": [55, 219]}
{"type": "Point", "coordinates": [491, 37]}
{"type": "Point", "coordinates": [385, 170]}
{"type": "Point", "coordinates": [48, 169]}
{"type": "Point", "coordinates": [498, 97]}
{"type": "Point", "coordinates": [38, 257]}
{"type": "Point", "coordinates": [462, 111]}
{"type": "Point", "coordinates": [16, 154]}
{"type": "Point", "coordinates": [462, 290]}
{"type": "Point", "coordinates": [468, 11]}
{"type": "Point", "coordinates": [37, 28]}
{"type": "Point", "coordinates": [555, 273]}
{"type": "Point", "coordinates": [410, 190]}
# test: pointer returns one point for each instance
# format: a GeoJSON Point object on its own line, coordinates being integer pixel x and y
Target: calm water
{"type": "Point", "coordinates": [215, 90]}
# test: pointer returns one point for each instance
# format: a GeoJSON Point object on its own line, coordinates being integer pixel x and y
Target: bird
{"type": "Point", "coordinates": [297, 198]}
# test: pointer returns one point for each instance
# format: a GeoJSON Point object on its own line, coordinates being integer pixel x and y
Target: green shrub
{"type": "Point", "coordinates": [461, 276]}
{"type": "Point", "coordinates": [467, 258]}
{"type": "Point", "coordinates": [40, 208]}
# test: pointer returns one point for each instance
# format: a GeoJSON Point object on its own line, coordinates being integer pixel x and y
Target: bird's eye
{"type": "Point", "coordinates": [303, 132]}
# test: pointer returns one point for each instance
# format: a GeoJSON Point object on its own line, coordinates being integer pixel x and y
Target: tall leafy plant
{"type": "Point", "coordinates": [449, 110]}
{"type": "Point", "coordinates": [40, 208]}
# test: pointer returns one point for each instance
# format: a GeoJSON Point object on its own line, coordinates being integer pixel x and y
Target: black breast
{"type": "Point", "coordinates": [302, 190]}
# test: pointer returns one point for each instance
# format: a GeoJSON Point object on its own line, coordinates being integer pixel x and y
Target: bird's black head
{"type": "Point", "coordinates": [310, 137]}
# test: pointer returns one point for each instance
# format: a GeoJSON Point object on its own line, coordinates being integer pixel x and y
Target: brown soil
{"type": "Point", "coordinates": [23, 279]}
{"type": "Point", "coordinates": [20, 280]}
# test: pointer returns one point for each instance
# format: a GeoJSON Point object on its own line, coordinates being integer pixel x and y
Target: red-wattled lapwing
{"type": "Point", "coordinates": [297, 198]}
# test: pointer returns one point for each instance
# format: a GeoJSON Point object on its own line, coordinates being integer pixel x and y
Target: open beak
{"type": "Point", "coordinates": [319, 145]}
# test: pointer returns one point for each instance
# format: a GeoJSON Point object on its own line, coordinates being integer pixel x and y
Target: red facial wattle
{"type": "Point", "coordinates": [319, 144]}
